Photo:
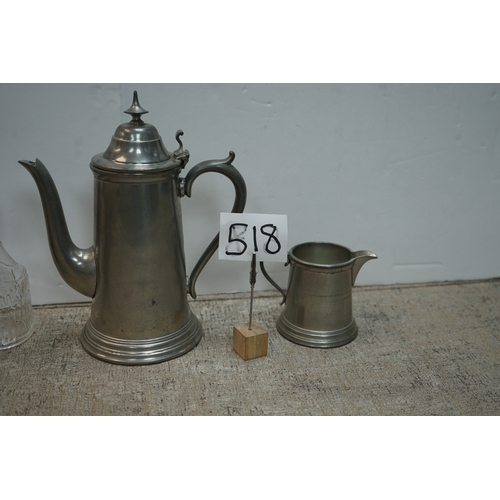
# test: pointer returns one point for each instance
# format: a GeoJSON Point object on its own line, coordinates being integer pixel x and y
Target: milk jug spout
{"type": "Point", "coordinates": [360, 258]}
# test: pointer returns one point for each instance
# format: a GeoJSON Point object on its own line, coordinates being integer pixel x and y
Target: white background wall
{"type": "Point", "coordinates": [408, 171]}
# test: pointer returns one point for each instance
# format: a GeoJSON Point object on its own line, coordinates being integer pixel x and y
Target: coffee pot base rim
{"type": "Point", "coordinates": [142, 351]}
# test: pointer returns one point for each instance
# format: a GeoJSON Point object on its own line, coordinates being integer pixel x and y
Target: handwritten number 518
{"type": "Point", "coordinates": [236, 235]}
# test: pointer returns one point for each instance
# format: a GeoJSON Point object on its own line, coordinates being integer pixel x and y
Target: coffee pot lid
{"type": "Point", "coordinates": [135, 146]}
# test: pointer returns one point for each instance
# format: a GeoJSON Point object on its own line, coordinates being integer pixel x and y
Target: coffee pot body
{"type": "Point", "coordinates": [135, 272]}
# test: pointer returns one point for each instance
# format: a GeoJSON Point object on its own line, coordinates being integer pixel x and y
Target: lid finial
{"type": "Point", "coordinates": [136, 110]}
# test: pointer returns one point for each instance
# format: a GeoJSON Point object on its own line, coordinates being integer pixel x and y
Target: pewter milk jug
{"type": "Point", "coordinates": [135, 271]}
{"type": "Point", "coordinates": [318, 301]}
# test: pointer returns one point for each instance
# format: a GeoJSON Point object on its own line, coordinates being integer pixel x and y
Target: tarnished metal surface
{"type": "Point", "coordinates": [135, 271]}
{"type": "Point", "coordinates": [318, 301]}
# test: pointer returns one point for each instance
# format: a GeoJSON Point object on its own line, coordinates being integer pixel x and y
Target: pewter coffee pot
{"type": "Point", "coordinates": [135, 271]}
{"type": "Point", "coordinates": [318, 301]}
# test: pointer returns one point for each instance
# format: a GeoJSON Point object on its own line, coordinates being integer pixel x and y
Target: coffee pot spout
{"type": "Point", "coordinates": [360, 258]}
{"type": "Point", "coordinates": [75, 265]}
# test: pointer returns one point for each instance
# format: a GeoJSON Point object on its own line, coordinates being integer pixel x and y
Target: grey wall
{"type": "Point", "coordinates": [410, 172]}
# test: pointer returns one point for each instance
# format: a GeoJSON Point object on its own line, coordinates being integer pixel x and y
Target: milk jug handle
{"type": "Point", "coordinates": [225, 168]}
{"type": "Point", "coordinates": [268, 278]}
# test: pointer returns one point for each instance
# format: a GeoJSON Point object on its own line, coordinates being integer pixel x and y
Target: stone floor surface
{"type": "Point", "coordinates": [421, 350]}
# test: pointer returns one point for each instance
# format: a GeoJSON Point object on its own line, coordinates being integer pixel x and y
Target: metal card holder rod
{"type": "Point", "coordinates": [253, 280]}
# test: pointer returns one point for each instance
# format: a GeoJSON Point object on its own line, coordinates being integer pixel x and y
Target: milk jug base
{"type": "Point", "coordinates": [314, 338]}
{"type": "Point", "coordinates": [142, 352]}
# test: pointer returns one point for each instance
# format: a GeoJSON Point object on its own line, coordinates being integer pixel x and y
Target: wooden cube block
{"type": "Point", "coordinates": [252, 343]}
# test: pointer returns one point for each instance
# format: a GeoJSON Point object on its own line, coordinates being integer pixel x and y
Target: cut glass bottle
{"type": "Point", "coordinates": [16, 317]}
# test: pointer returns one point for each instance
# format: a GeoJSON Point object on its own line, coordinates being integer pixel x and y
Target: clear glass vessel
{"type": "Point", "coordinates": [16, 317]}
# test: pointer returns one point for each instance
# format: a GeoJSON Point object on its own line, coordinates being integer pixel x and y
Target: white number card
{"type": "Point", "coordinates": [243, 234]}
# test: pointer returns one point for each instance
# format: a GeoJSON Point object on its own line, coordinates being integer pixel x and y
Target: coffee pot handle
{"type": "Point", "coordinates": [268, 278]}
{"type": "Point", "coordinates": [225, 168]}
